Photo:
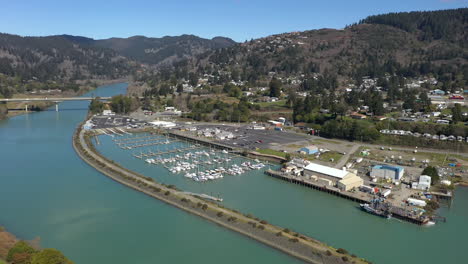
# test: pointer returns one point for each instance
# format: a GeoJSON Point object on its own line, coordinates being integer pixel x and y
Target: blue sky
{"type": "Point", "coordinates": [238, 19]}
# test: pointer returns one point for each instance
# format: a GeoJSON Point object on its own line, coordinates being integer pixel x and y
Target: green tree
{"type": "Point", "coordinates": [275, 87]}
{"type": "Point", "coordinates": [96, 106]}
{"type": "Point", "coordinates": [433, 173]}
{"type": "Point", "coordinates": [123, 104]}
{"type": "Point", "coordinates": [457, 115]}
{"type": "Point", "coordinates": [409, 102]}
{"type": "Point", "coordinates": [425, 101]}
{"type": "Point", "coordinates": [22, 252]}
{"type": "Point", "coordinates": [193, 79]}
{"type": "Point", "coordinates": [235, 92]}
{"type": "Point", "coordinates": [180, 88]}
{"type": "Point", "coordinates": [50, 256]}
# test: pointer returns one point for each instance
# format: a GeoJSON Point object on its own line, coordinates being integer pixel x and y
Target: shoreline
{"type": "Point", "coordinates": [296, 245]}
{"type": "Point", "coordinates": [7, 240]}
{"type": "Point", "coordinates": [79, 93]}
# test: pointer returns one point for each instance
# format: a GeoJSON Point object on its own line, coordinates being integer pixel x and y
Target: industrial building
{"type": "Point", "coordinates": [349, 182]}
{"type": "Point", "coordinates": [309, 150]}
{"type": "Point", "coordinates": [395, 173]}
{"type": "Point", "coordinates": [163, 124]}
{"type": "Point", "coordinates": [423, 184]}
{"type": "Point", "coordinates": [329, 176]}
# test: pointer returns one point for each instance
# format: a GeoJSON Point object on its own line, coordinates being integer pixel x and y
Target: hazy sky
{"type": "Point", "coordinates": [237, 19]}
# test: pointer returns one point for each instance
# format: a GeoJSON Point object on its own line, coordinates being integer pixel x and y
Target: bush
{"type": "Point", "coordinates": [167, 193]}
{"type": "Point", "coordinates": [263, 222]}
{"type": "Point", "coordinates": [261, 227]}
{"type": "Point", "coordinates": [294, 240]}
{"type": "Point", "coordinates": [20, 248]}
{"type": "Point", "coordinates": [328, 253]}
{"type": "Point", "coordinates": [286, 230]}
{"type": "Point", "coordinates": [342, 251]}
{"type": "Point", "coordinates": [345, 258]}
{"type": "Point", "coordinates": [50, 256]}
{"type": "Point", "coordinates": [204, 207]}
{"type": "Point", "coordinates": [279, 234]}
{"type": "Point", "coordinates": [219, 214]}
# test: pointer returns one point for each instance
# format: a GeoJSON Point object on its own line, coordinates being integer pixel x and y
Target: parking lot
{"type": "Point", "coordinates": [249, 138]}
{"type": "Point", "coordinates": [116, 121]}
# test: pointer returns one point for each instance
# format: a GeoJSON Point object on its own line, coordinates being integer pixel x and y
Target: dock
{"type": "Point", "coordinates": [397, 212]}
{"type": "Point", "coordinates": [311, 184]}
{"type": "Point", "coordinates": [197, 140]}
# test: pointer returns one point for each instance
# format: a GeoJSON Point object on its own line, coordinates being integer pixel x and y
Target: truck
{"type": "Point", "coordinates": [456, 97]}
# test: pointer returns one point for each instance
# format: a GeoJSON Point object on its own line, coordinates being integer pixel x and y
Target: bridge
{"type": "Point", "coordinates": [55, 100]}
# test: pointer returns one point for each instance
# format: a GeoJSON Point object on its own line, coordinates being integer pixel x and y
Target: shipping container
{"type": "Point", "coordinates": [386, 193]}
{"type": "Point", "coordinates": [416, 202]}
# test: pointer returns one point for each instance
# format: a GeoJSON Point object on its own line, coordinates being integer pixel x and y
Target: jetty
{"type": "Point", "coordinates": [296, 245]}
{"type": "Point", "coordinates": [205, 196]}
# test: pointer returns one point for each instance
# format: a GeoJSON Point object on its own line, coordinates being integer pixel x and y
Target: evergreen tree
{"type": "Point", "coordinates": [275, 87]}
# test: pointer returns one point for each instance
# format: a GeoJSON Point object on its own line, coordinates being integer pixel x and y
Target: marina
{"type": "Point", "coordinates": [195, 161]}
{"type": "Point", "coordinates": [101, 212]}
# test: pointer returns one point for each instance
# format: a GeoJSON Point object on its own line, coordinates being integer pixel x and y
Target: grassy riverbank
{"type": "Point", "coordinates": [7, 240]}
{"type": "Point", "coordinates": [15, 251]}
{"type": "Point", "coordinates": [292, 243]}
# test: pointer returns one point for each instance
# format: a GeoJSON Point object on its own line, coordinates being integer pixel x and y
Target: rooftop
{"type": "Point", "coordinates": [389, 167]}
{"type": "Point", "coordinates": [326, 170]}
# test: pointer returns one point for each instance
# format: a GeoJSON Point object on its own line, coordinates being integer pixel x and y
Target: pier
{"type": "Point", "coordinates": [154, 154]}
{"type": "Point", "coordinates": [197, 140]}
{"type": "Point", "coordinates": [310, 184]}
{"type": "Point", "coordinates": [396, 212]}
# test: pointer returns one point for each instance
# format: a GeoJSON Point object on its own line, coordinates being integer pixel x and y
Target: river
{"type": "Point", "coordinates": [46, 191]}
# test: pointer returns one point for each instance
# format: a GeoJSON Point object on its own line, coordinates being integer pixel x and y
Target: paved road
{"type": "Point", "coordinates": [420, 149]}
{"type": "Point", "coordinates": [346, 157]}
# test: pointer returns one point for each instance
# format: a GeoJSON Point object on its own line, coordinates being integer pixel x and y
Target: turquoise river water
{"type": "Point", "coordinates": [46, 191]}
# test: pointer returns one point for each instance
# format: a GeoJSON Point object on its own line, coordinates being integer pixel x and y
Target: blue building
{"type": "Point", "coordinates": [309, 150]}
{"type": "Point", "coordinates": [387, 172]}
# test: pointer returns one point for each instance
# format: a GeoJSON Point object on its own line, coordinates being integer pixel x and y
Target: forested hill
{"type": "Point", "coordinates": [399, 44]}
{"type": "Point", "coordinates": [165, 50]}
{"type": "Point", "coordinates": [449, 25]}
{"type": "Point", "coordinates": [58, 58]}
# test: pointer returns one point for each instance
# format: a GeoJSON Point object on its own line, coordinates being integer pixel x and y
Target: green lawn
{"type": "Point", "coordinates": [272, 152]}
{"type": "Point", "coordinates": [331, 155]}
{"type": "Point", "coordinates": [280, 103]}
{"type": "Point", "coordinates": [326, 141]}
{"type": "Point", "coordinates": [2, 262]}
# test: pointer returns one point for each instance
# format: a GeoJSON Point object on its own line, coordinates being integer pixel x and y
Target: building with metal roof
{"type": "Point", "coordinates": [395, 173]}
